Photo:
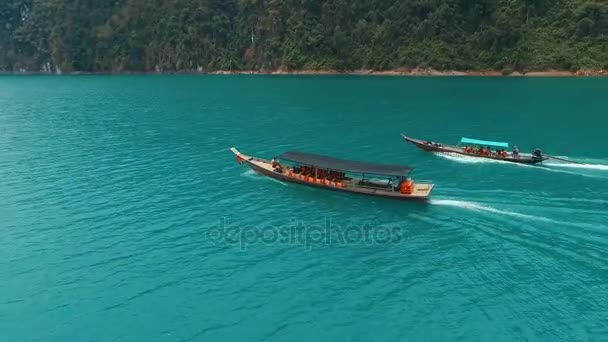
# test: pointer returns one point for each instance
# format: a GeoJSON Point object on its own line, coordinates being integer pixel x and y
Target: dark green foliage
{"type": "Point", "coordinates": [182, 35]}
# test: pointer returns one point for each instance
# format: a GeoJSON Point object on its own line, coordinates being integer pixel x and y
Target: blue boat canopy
{"type": "Point", "coordinates": [484, 143]}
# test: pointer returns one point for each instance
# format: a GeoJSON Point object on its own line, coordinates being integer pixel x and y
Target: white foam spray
{"type": "Point", "coordinates": [547, 166]}
{"type": "Point", "coordinates": [254, 175]}
{"type": "Point", "coordinates": [485, 208]}
{"type": "Point", "coordinates": [600, 167]}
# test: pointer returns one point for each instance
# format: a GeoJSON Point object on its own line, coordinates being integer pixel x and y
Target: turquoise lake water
{"type": "Point", "coordinates": [124, 216]}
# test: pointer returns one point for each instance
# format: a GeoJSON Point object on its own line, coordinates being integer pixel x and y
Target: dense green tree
{"type": "Point", "coordinates": [206, 35]}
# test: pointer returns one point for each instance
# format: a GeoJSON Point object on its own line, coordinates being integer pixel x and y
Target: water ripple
{"type": "Point", "coordinates": [112, 189]}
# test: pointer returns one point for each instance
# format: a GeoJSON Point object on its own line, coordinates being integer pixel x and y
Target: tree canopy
{"type": "Point", "coordinates": [207, 35]}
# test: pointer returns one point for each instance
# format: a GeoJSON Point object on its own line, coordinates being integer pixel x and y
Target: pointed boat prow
{"type": "Point", "coordinates": [408, 139]}
{"type": "Point", "coordinates": [243, 158]}
{"type": "Point", "coordinates": [235, 151]}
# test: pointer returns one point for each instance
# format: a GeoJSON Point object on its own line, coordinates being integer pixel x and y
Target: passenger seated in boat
{"type": "Point", "coordinates": [339, 175]}
{"type": "Point", "coordinates": [504, 153]}
{"type": "Point", "coordinates": [391, 184]}
{"type": "Point", "coordinates": [276, 165]}
{"type": "Point", "coordinates": [489, 151]}
{"type": "Point", "coordinates": [481, 150]}
{"type": "Point", "coordinates": [515, 152]}
{"type": "Point", "coordinates": [336, 175]}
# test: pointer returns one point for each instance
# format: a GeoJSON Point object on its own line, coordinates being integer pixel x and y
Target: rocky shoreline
{"type": "Point", "coordinates": [394, 72]}
{"type": "Point", "coordinates": [421, 72]}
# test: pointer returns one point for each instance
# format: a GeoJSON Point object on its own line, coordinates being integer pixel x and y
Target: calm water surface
{"type": "Point", "coordinates": [124, 217]}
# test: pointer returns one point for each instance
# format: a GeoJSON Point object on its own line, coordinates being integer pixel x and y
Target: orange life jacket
{"type": "Point", "coordinates": [407, 187]}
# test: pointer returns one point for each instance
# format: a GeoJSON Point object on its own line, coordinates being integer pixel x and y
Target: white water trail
{"type": "Point", "coordinates": [586, 169]}
{"type": "Point", "coordinates": [547, 166]}
{"type": "Point", "coordinates": [460, 158]}
{"type": "Point", "coordinates": [250, 174]}
{"type": "Point", "coordinates": [601, 167]}
{"type": "Point", "coordinates": [254, 175]}
{"type": "Point", "coordinates": [485, 208]}
{"type": "Point", "coordinates": [481, 207]}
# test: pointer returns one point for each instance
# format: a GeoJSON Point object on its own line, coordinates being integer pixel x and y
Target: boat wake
{"type": "Point", "coordinates": [460, 158]}
{"type": "Point", "coordinates": [488, 209]}
{"type": "Point", "coordinates": [600, 167]}
{"type": "Point", "coordinates": [553, 166]}
{"type": "Point", "coordinates": [589, 167]}
{"type": "Point", "coordinates": [256, 176]}
{"type": "Point", "coordinates": [251, 174]}
{"type": "Point", "coordinates": [480, 207]}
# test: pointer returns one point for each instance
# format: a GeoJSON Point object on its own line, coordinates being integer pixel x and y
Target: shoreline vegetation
{"type": "Point", "coordinates": [306, 37]}
{"type": "Point", "coordinates": [366, 72]}
{"type": "Point", "coordinates": [422, 72]}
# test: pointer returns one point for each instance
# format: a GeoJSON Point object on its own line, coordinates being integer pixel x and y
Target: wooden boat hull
{"type": "Point", "coordinates": [262, 166]}
{"type": "Point", "coordinates": [522, 159]}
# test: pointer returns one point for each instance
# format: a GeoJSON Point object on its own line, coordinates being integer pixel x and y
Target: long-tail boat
{"type": "Point", "coordinates": [389, 181]}
{"type": "Point", "coordinates": [480, 149]}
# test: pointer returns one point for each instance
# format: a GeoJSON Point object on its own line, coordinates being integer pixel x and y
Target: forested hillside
{"type": "Point", "coordinates": [207, 35]}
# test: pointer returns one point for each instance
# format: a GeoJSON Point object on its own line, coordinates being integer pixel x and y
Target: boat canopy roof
{"type": "Point", "coordinates": [346, 165]}
{"type": "Point", "coordinates": [484, 143]}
